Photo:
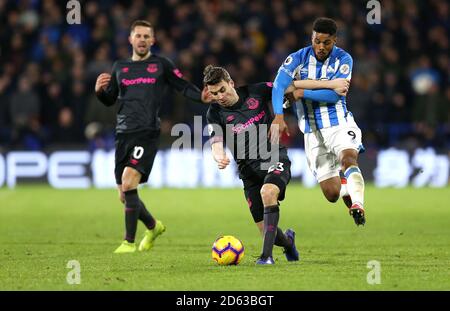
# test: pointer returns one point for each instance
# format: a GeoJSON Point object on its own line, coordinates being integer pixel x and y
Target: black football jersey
{"type": "Point", "coordinates": [244, 126]}
{"type": "Point", "coordinates": [138, 88]}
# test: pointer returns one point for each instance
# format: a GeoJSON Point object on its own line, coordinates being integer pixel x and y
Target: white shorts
{"type": "Point", "coordinates": [323, 148]}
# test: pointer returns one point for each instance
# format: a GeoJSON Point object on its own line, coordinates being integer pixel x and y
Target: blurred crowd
{"type": "Point", "coordinates": [399, 94]}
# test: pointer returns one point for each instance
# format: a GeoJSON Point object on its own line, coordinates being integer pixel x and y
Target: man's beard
{"type": "Point", "coordinates": [141, 54]}
{"type": "Point", "coordinates": [321, 56]}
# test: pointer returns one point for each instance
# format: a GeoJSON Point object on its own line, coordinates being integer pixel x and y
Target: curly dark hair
{"type": "Point", "coordinates": [325, 25]}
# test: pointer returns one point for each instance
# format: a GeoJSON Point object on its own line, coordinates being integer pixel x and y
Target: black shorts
{"type": "Point", "coordinates": [136, 150]}
{"type": "Point", "coordinates": [254, 178]}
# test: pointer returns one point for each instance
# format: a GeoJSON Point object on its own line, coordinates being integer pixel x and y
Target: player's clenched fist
{"type": "Point", "coordinates": [102, 82]}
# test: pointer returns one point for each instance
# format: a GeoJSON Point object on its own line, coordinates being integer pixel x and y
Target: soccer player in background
{"type": "Point", "coordinates": [235, 113]}
{"type": "Point", "coordinates": [137, 85]}
{"type": "Point", "coordinates": [332, 138]}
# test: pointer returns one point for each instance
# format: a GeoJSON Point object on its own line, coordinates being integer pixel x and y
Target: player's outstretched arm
{"type": "Point", "coordinates": [219, 155]}
{"type": "Point", "coordinates": [189, 90]}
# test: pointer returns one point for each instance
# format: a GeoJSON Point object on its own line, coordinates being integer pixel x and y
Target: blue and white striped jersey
{"type": "Point", "coordinates": [313, 114]}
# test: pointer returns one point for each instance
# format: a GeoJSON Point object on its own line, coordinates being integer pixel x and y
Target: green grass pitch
{"type": "Point", "coordinates": [41, 229]}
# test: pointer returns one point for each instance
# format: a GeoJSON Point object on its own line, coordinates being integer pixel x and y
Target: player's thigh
{"type": "Point", "coordinates": [252, 194]}
{"type": "Point", "coordinates": [126, 175]}
{"type": "Point", "coordinates": [130, 178]}
{"type": "Point", "coordinates": [321, 161]}
{"type": "Point", "coordinates": [141, 152]}
{"type": "Point", "coordinates": [331, 188]}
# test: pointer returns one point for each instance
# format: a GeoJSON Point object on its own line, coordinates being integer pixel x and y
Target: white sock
{"type": "Point", "coordinates": [344, 190]}
{"type": "Point", "coordinates": [355, 184]}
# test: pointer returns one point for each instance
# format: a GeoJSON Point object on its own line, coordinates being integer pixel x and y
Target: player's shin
{"type": "Point", "coordinates": [281, 239]}
{"type": "Point", "coordinates": [145, 216]}
{"type": "Point", "coordinates": [355, 184]}
{"type": "Point", "coordinates": [131, 214]}
{"type": "Point", "coordinates": [344, 191]}
{"type": "Point", "coordinates": [271, 217]}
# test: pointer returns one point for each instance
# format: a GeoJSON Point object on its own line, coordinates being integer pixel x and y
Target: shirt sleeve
{"type": "Point", "coordinates": [215, 126]}
{"type": "Point", "coordinates": [345, 68]}
{"type": "Point", "coordinates": [109, 96]}
{"type": "Point", "coordinates": [264, 89]}
{"type": "Point", "coordinates": [175, 79]}
{"type": "Point", "coordinates": [321, 95]}
{"type": "Point", "coordinates": [283, 79]}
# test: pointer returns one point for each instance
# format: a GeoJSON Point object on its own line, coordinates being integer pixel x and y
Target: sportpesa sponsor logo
{"type": "Point", "coordinates": [241, 127]}
{"type": "Point", "coordinates": [128, 82]}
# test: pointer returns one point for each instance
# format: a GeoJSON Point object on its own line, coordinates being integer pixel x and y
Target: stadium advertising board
{"type": "Point", "coordinates": [192, 168]}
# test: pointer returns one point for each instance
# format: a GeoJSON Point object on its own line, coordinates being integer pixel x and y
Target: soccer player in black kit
{"type": "Point", "coordinates": [137, 86]}
{"type": "Point", "coordinates": [235, 113]}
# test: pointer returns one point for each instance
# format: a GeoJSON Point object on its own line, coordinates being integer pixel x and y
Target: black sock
{"type": "Point", "coordinates": [146, 217]}
{"type": "Point", "coordinates": [281, 239]}
{"type": "Point", "coordinates": [271, 217]}
{"type": "Point", "coordinates": [131, 214]}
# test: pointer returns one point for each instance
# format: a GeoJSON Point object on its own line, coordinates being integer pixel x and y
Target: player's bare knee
{"type": "Point", "coordinates": [332, 194]}
{"type": "Point", "coordinates": [269, 194]}
{"type": "Point", "coordinates": [127, 186]}
{"type": "Point", "coordinates": [333, 197]}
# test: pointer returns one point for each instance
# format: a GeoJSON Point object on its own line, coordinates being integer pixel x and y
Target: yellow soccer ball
{"type": "Point", "coordinates": [227, 250]}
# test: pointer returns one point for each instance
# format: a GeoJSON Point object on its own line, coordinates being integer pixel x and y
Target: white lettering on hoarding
{"type": "Point", "coordinates": [196, 168]}
{"type": "Point", "coordinates": [67, 169]}
{"type": "Point", "coordinates": [24, 164]}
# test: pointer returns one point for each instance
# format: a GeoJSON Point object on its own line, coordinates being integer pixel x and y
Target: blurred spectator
{"type": "Point", "coordinates": [5, 129]}
{"type": "Point", "coordinates": [431, 110]}
{"type": "Point", "coordinates": [24, 109]}
{"type": "Point", "coordinates": [100, 123]}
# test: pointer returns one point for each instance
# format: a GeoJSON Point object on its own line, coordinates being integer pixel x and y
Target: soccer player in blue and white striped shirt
{"type": "Point", "coordinates": [332, 137]}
